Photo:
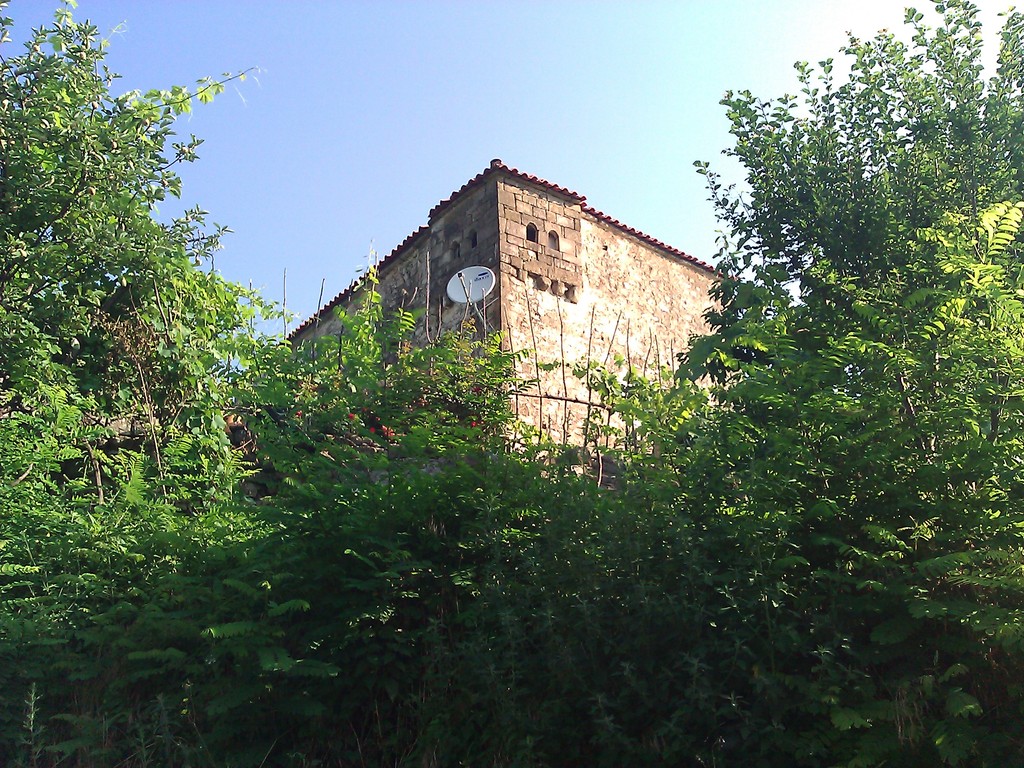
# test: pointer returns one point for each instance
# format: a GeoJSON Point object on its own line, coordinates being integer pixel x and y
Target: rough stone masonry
{"type": "Point", "coordinates": [573, 285]}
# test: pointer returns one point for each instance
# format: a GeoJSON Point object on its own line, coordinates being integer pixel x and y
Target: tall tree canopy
{"type": "Point", "coordinates": [842, 176]}
{"type": "Point", "coordinates": [98, 298]}
{"type": "Point", "coordinates": [869, 359]}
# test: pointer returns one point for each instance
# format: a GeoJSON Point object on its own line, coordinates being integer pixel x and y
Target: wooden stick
{"type": "Point", "coordinates": [565, 384]}
{"type": "Point", "coordinates": [536, 363]}
{"type": "Point", "coordinates": [284, 301]}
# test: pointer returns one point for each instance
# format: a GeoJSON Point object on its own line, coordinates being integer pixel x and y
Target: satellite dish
{"type": "Point", "coordinates": [470, 285]}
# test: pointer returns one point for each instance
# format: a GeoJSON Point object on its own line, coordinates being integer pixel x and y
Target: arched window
{"type": "Point", "coordinates": [553, 240]}
{"type": "Point", "coordinates": [455, 250]}
{"type": "Point", "coordinates": [472, 239]}
{"type": "Point", "coordinates": [531, 233]}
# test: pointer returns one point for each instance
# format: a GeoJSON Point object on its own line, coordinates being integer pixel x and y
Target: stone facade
{"type": "Point", "coordinates": [414, 276]}
{"type": "Point", "coordinates": [574, 285]}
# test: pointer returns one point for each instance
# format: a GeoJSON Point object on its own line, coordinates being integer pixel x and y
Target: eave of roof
{"type": "Point", "coordinates": [496, 167]}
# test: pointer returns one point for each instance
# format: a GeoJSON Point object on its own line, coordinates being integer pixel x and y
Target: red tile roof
{"type": "Point", "coordinates": [498, 167]}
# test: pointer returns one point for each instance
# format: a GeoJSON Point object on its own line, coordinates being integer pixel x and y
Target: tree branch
{"type": "Point", "coordinates": [24, 474]}
{"type": "Point", "coordinates": [911, 412]}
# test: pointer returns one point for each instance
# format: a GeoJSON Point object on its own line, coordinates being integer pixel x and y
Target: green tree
{"type": "Point", "coordinates": [97, 297]}
{"type": "Point", "coordinates": [867, 362]}
{"type": "Point", "coordinates": [118, 354]}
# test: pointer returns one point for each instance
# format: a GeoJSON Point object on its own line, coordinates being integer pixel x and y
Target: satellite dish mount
{"type": "Point", "coordinates": [471, 286]}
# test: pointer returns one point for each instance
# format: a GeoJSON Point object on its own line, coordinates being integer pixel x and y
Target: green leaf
{"type": "Point", "coordinates": [962, 704]}
{"type": "Point", "coordinates": [289, 606]}
{"type": "Point", "coordinates": [846, 719]}
{"type": "Point", "coordinates": [894, 630]}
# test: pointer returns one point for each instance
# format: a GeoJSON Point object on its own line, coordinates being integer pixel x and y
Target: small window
{"type": "Point", "coordinates": [553, 240]}
{"type": "Point", "coordinates": [455, 250]}
{"type": "Point", "coordinates": [472, 239]}
{"type": "Point", "coordinates": [531, 233]}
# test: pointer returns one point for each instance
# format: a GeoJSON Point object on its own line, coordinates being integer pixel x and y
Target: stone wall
{"type": "Point", "coordinates": [606, 295]}
{"type": "Point", "coordinates": [573, 287]}
{"type": "Point", "coordinates": [471, 224]}
{"type": "Point", "coordinates": [415, 275]}
{"type": "Point", "coordinates": [551, 261]}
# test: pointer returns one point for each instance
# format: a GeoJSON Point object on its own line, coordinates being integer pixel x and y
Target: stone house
{"type": "Point", "coordinates": [572, 285]}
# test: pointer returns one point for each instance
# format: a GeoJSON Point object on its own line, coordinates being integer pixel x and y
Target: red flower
{"type": "Point", "coordinates": [373, 429]}
{"type": "Point", "coordinates": [351, 417]}
{"type": "Point", "coordinates": [472, 424]}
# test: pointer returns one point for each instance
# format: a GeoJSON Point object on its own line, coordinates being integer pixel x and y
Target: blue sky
{"type": "Point", "coordinates": [363, 115]}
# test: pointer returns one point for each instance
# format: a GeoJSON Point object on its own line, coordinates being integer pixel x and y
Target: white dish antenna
{"type": "Point", "coordinates": [470, 285]}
